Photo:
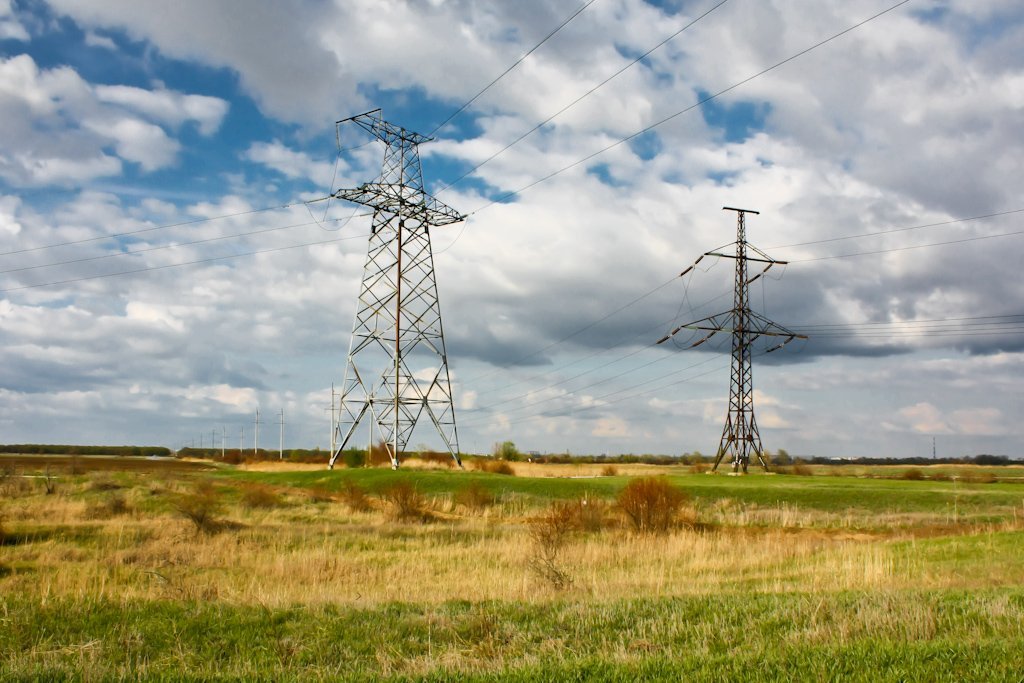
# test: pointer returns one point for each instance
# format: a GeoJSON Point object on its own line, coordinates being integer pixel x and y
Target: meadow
{"type": "Point", "coordinates": [289, 572]}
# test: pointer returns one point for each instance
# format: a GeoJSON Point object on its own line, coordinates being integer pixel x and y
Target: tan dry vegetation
{"type": "Point", "coordinates": [307, 553]}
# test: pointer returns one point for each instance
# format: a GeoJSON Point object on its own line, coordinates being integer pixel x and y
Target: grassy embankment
{"type": "Point", "coordinates": [778, 577]}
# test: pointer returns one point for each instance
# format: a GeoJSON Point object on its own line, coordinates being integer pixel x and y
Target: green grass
{"type": "Point", "coordinates": [826, 494]}
{"type": "Point", "coordinates": [888, 636]}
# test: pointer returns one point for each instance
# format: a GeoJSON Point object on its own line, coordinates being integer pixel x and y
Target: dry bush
{"type": "Point", "coordinates": [112, 506]}
{"type": "Point", "coordinates": [438, 458]}
{"type": "Point", "coordinates": [698, 467]}
{"type": "Point", "coordinates": [261, 496]}
{"type": "Point", "coordinates": [407, 504]}
{"type": "Point", "coordinates": [201, 507]}
{"type": "Point", "coordinates": [549, 533]}
{"type": "Point", "coordinates": [319, 494]}
{"type": "Point", "coordinates": [912, 474]}
{"type": "Point", "coordinates": [475, 497]}
{"type": "Point", "coordinates": [380, 454]}
{"type": "Point", "coordinates": [801, 469]}
{"type": "Point", "coordinates": [13, 484]}
{"type": "Point", "coordinates": [978, 478]}
{"type": "Point", "coordinates": [49, 482]}
{"type": "Point", "coordinates": [103, 482]}
{"type": "Point", "coordinates": [940, 476]}
{"type": "Point", "coordinates": [493, 466]}
{"type": "Point", "coordinates": [609, 471]}
{"type": "Point", "coordinates": [651, 504]}
{"type": "Point", "coordinates": [591, 514]}
{"type": "Point", "coordinates": [354, 497]}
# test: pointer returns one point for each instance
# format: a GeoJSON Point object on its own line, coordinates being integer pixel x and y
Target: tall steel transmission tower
{"type": "Point", "coordinates": [740, 437]}
{"type": "Point", "coordinates": [397, 365]}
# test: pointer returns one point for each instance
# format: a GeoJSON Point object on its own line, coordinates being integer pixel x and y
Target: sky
{"type": "Point", "coordinates": [165, 272]}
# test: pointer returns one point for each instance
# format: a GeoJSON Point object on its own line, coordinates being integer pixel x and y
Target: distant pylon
{"type": "Point", "coordinates": [397, 364]}
{"type": "Point", "coordinates": [740, 437]}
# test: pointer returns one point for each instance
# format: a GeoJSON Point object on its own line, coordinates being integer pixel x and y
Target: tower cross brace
{"type": "Point", "coordinates": [397, 366]}
{"type": "Point", "coordinates": [740, 436]}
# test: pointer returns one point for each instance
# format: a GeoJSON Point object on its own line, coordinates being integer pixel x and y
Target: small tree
{"type": "Point", "coordinates": [506, 450]}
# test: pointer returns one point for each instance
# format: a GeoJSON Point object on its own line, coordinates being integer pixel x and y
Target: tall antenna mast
{"type": "Point", "coordinates": [740, 437]}
{"type": "Point", "coordinates": [397, 333]}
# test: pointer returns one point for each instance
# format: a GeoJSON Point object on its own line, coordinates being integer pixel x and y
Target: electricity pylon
{"type": "Point", "coordinates": [397, 365]}
{"type": "Point", "coordinates": [740, 436]}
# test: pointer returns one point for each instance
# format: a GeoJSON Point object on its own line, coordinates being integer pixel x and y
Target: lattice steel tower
{"type": "Point", "coordinates": [397, 365]}
{"type": "Point", "coordinates": [740, 437]}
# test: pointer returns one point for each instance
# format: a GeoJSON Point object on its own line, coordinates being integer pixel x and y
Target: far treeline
{"type": "Point", "coordinates": [63, 449]}
{"type": "Point", "coordinates": [506, 451]}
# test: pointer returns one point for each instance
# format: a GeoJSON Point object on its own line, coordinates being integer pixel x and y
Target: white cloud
{"type": "Point", "coordinates": [9, 215]}
{"type": "Point", "coordinates": [168, 107]}
{"type": "Point", "coordinates": [290, 163]}
{"type": "Point", "coordinates": [138, 141]}
{"type": "Point", "coordinates": [93, 39]}
{"type": "Point", "coordinates": [10, 27]}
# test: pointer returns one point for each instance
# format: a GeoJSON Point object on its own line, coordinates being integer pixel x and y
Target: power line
{"type": "Point", "coordinates": [576, 101]}
{"type": "Point", "coordinates": [173, 246]}
{"type": "Point", "coordinates": [580, 330]}
{"type": "Point", "coordinates": [152, 229]}
{"type": "Point", "coordinates": [696, 105]}
{"type": "Point", "coordinates": [916, 246]}
{"type": "Point", "coordinates": [179, 265]}
{"type": "Point", "coordinates": [509, 69]}
{"type": "Point", "coordinates": [893, 230]}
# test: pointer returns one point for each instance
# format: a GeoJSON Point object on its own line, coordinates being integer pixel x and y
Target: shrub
{"type": "Point", "coordinates": [912, 474]}
{"type": "Point", "coordinates": [438, 458]}
{"type": "Point", "coordinates": [493, 466]}
{"type": "Point", "coordinates": [801, 469]}
{"type": "Point", "coordinates": [354, 497]}
{"type": "Point", "coordinates": [103, 483]}
{"type": "Point", "coordinates": [49, 482]}
{"type": "Point", "coordinates": [505, 450]}
{"type": "Point", "coordinates": [698, 467]}
{"type": "Point", "coordinates": [261, 496]}
{"type": "Point", "coordinates": [380, 454]}
{"type": "Point", "coordinates": [591, 514]}
{"type": "Point", "coordinates": [609, 471]}
{"type": "Point", "coordinates": [112, 506]}
{"type": "Point", "coordinates": [549, 533]}
{"type": "Point", "coordinates": [475, 497]}
{"type": "Point", "coordinates": [319, 494]}
{"type": "Point", "coordinates": [353, 458]}
{"type": "Point", "coordinates": [651, 504]}
{"type": "Point", "coordinates": [407, 503]}
{"type": "Point", "coordinates": [200, 507]}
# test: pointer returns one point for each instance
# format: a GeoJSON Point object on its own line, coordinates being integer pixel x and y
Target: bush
{"type": "Point", "coordinates": [200, 507]}
{"type": "Point", "coordinates": [353, 458]}
{"type": "Point", "coordinates": [380, 454]}
{"type": "Point", "coordinates": [493, 466]}
{"type": "Point", "coordinates": [549, 533]}
{"type": "Point", "coordinates": [319, 494]}
{"type": "Point", "coordinates": [354, 497]}
{"type": "Point", "coordinates": [406, 502]}
{"type": "Point", "coordinates": [912, 474]}
{"type": "Point", "coordinates": [261, 496]}
{"type": "Point", "coordinates": [437, 458]}
{"type": "Point", "coordinates": [112, 506]}
{"type": "Point", "coordinates": [475, 497]}
{"type": "Point", "coordinates": [651, 504]}
{"type": "Point", "coordinates": [801, 469]}
{"type": "Point", "coordinates": [609, 471]}
{"type": "Point", "coordinates": [591, 514]}
{"type": "Point", "coordinates": [698, 467]}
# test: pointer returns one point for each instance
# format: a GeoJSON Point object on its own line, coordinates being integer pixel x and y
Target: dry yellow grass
{"type": "Point", "coordinates": [306, 553]}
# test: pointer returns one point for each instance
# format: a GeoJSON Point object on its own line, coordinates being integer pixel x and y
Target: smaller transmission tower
{"type": "Point", "coordinates": [397, 367]}
{"type": "Point", "coordinates": [740, 437]}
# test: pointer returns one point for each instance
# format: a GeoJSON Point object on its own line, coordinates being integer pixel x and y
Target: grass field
{"type": "Point", "coordinates": [304, 574]}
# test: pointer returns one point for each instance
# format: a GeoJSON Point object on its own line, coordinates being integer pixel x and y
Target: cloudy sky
{"type": "Point", "coordinates": [161, 275]}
